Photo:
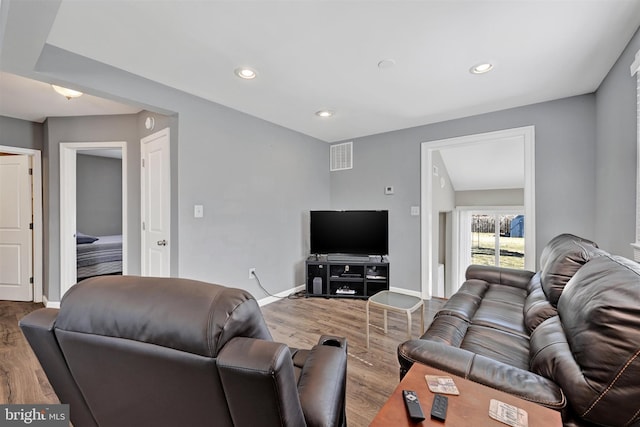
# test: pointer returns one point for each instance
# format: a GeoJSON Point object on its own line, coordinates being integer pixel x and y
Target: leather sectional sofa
{"type": "Point", "coordinates": [566, 337]}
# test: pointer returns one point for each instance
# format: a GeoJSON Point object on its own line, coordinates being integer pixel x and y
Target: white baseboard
{"type": "Point", "coordinates": [50, 304]}
{"type": "Point", "coordinates": [279, 295]}
{"type": "Point", "coordinates": [406, 292]}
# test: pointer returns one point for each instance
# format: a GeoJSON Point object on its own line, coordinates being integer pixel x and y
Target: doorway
{"type": "Point", "coordinates": [35, 254]}
{"type": "Point", "coordinates": [35, 161]}
{"type": "Point", "coordinates": [430, 235]}
{"type": "Point", "coordinates": [69, 238]}
{"type": "Point", "coordinates": [155, 179]}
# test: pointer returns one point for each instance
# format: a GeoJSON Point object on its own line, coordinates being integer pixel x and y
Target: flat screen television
{"type": "Point", "coordinates": [364, 232]}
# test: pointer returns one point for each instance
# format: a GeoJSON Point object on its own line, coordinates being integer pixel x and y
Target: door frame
{"type": "Point", "coordinates": [527, 133]}
{"type": "Point", "coordinates": [68, 175]}
{"type": "Point", "coordinates": [36, 185]}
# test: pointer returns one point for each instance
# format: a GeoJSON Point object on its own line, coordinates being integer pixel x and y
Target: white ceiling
{"type": "Point", "coordinates": [33, 100]}
{"type": "Point", "coordinates": [315, 54]}
{"type": "Point", "coordinates": [486, 166]}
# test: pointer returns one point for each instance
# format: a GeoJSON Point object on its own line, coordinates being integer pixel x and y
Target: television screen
{"type": "Point", "coordinates": [349, 232]}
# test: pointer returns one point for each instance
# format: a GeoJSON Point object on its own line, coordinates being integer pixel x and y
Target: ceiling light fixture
{"type": "Point", "coordinates": [481, 68]}
{"type": "Point", "coordinates": [324, 113]}
{"type": "Point", "coordinates": [67, 93]}
{"type": "Point", "coordinates": [386, 63]}
{"type": "Point", "coordinates": [245, 73]}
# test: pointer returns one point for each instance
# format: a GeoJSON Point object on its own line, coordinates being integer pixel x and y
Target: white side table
{"type": "Point", "coordinates": [393, 301]}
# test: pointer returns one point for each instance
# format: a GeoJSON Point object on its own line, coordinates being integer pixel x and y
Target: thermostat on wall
{"type": "Point", "coordinates": [388, 189]}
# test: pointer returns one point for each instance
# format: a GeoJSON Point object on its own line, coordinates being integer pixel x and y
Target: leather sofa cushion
{"type": "Point", "coordinates": [559, 261]}
{"type": "Point", "coordinates": [592, 348]}
{"type": "Point", "coordinates": [466, 301]}
{"type": "Point", "coordinates": [199, 321]}
{"type": "Point", "coordinates": [503, 315]}
{"type": "Point", "coordinates": [493, 305]}
{"type": "Point", "coordinates": [497, 345]}
{"type": "Point", "coordinates": [537, 308]}
{"type": "Point", "coordinates": [447, 329]}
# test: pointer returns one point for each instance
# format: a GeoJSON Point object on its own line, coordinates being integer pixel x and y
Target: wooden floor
{"type": "Point", "coordinates": [372, 374]}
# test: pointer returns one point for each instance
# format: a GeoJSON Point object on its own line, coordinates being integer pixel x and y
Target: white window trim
{"type": "Point", "coordinates": [635, 70]}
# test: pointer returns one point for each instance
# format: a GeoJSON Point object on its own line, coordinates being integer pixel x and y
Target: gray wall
{"type": "Point", "coordinates": [257, 181]}
{"type": "Point", "coordinates": [616, 154]}
{"type": "Point", "coordinates": [444, 198]}
{"type": "Point", "coordinates": [87, 129]}
{"type": "Point", "coordinates": [565, 174]}
{"type": "Point", "coordinates": [98, 195]}
{"type": "Point", "coordinates": [20, 133]}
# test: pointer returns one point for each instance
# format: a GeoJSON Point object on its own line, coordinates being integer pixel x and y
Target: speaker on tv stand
{"type": "Point", "coordinates": [317, 285]}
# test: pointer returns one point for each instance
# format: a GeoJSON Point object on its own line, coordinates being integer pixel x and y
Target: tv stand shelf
{"type": "Point", "coordinates": [356, 278]}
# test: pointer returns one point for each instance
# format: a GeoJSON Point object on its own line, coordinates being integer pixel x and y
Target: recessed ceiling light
{"type": "Point", "coordinates": [324, 113]}
{"type": "Point", "coordinates": [481, 68]}
{"type": "Point", "coordinates": [245, 73]}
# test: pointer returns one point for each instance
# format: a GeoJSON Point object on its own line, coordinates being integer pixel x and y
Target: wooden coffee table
{"type": "Point", "coordinates": [470, 408]}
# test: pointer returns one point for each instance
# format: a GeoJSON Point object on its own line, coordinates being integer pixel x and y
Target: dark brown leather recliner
{"type": "Point", "coordinates": [139, 351]}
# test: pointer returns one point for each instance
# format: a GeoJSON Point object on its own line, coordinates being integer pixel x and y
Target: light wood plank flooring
{"type": "Point", "coordinates": [372, 373]}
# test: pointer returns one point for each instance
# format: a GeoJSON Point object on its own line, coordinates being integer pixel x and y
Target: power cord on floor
{"type": "Point", "coordinates": [295, 295]}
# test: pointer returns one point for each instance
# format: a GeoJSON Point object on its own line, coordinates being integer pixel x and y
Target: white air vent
{"type": "Point", "coordinates": [342, 156]}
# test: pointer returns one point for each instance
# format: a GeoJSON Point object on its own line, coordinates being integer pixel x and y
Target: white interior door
{"type": "Point", "coordinates": [156, 204]}
{"type": "Point", "coordinates": [16, 240]}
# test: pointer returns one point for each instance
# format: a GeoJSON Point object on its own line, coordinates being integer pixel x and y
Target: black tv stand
{"type": "Point", "coordinates": [347, 258]}
{"type": "Point", "coordinates": [346, 276]}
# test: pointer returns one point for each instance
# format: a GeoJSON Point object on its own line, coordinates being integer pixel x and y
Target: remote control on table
{"type": "Point", "coordinates": [439, 408]}
{"type": "Point", "coordinates": [413, 405]}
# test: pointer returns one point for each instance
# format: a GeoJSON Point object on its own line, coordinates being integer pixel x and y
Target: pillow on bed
{"type": "Point", "coordinates": [83, 238]}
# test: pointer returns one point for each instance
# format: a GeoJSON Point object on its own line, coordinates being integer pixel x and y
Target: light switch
{"type": "Point", "coordinates": [198, 211]}
{"type": "Point", "coordinates": [415, 210]}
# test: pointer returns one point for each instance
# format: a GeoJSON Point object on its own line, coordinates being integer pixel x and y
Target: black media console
{"type": "Point", "coordinates": [346, 278]}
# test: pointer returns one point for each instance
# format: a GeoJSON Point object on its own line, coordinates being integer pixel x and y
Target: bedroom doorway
{"type": "Point", "coordinates": [70, 239]}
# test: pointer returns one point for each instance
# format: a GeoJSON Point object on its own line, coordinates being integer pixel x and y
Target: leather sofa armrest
{"type": "Point", "coordinates": [38, 329]}
{"type": "Point", "coordinates": [333, 341]}
{"type": "Point", "coordinates": [491, 373]}
{"type": "Point", "coordinates": [259, 383]}
{"type": "Point", "coordinates": [500, 275]}
{"type": "Point", "coordinates": [252, 370]}
{"type": "Point", "coordinates": [322, 383]}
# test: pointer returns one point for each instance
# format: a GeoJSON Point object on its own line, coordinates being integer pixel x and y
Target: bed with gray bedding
{"type": "Point", "coordinates": [100, 257]}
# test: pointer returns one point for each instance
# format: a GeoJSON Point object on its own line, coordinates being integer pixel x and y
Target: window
{"type": "Point", "coordinates": [478, 242]}
{"type": "Point", "coordinates": [497, 239]}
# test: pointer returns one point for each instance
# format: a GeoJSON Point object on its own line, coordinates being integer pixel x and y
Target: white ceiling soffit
{"type": "Point", "coordinates": [314, 55]}
{"type": "Point", "coordinates": [32, 100]}
{"type": "Point", "coordinates": [486, 166]}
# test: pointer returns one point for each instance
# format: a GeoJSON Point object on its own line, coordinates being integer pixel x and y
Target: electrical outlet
{"type": "Point", "coordinates": [252, 272]}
